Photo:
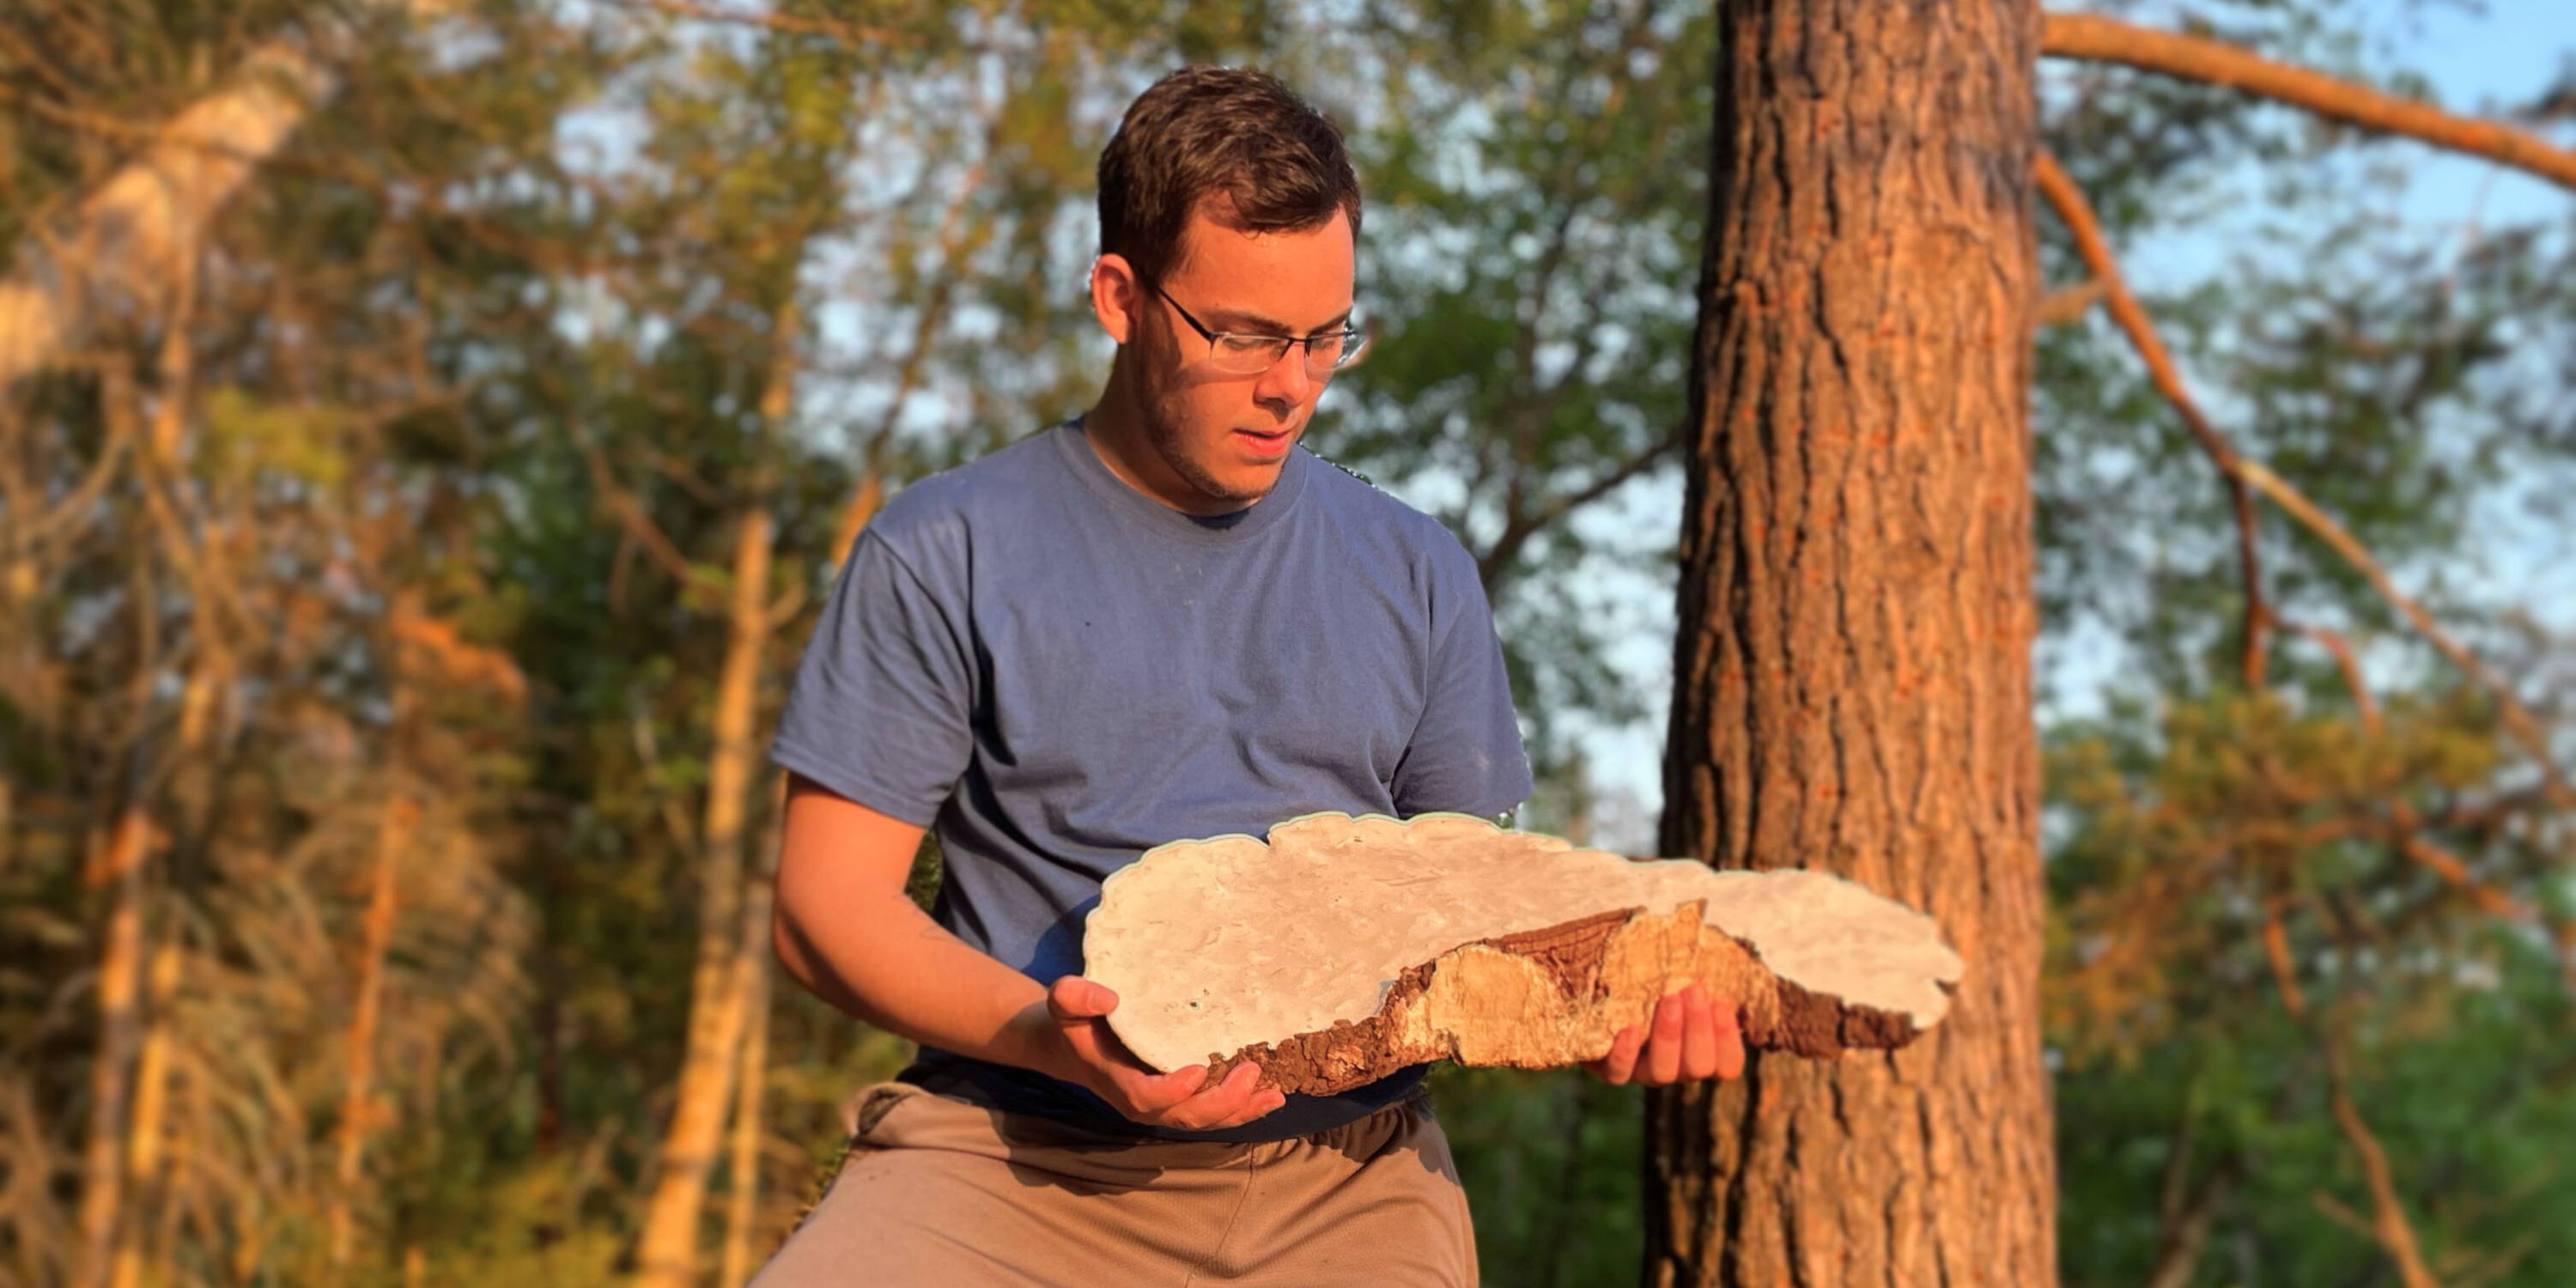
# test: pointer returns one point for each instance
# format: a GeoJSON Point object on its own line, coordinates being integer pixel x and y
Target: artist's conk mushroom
{"type": "Point", "coordinates": [1346, 948]}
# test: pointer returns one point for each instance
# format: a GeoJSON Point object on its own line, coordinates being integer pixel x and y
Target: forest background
{"type": "Point", "coordinates": [406, 533]}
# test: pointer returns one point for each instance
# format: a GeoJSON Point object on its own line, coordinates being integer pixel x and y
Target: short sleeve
{"type": "Point", "coordinates": [1465, 755]}
{"type": "Point", "coordinates": [879, 711]}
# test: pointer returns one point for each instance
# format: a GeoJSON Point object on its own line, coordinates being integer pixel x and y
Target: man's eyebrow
{"type": "Point", "coordinates": [1230, 319]}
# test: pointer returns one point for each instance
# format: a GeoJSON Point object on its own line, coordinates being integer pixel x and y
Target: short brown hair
{"type": "Point", "coordinates": [1224, 132]}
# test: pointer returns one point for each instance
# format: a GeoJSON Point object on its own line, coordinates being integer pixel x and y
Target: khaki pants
{"type": "Point", "coordinates": [938, 1193]}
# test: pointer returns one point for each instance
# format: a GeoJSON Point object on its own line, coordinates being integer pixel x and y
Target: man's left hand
{"type": "Point", "coordinates": [1693, 1037]}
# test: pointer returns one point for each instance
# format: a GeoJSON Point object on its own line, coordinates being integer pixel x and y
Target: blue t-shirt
{"type": "Point", "coordinates": [1059, 673]}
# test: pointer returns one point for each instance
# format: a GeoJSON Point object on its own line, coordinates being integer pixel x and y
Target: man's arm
{"type": "Point", "coordinates": [846, 931]}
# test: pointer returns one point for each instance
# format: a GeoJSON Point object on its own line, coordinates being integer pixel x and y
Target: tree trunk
{"type": "Point", "coordinates": [120, 864]}
{"type": "Point", "coordinates": [132, 238]}
{"type": "Point", "coordinates": [1852, 676]}
{"type": "Point", "coordinates": [144, 1134]}
{"type": "Point", "coordinates": [668, 1249]}
{"type": "Point", "coordinates": [357, 1098]}
{"type": "Point", "coordinates": [751, 974]}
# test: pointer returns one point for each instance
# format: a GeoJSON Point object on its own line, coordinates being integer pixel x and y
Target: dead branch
{"type": "Point", "coordinates": [2388, 1225]}
{"type": "Point", "coordinates": [2099, 39]}
{"type": "Point", "coordinates": [2243, 472]}
{"type": "Point", "coordinates": [2078, 216]}
{"type": "Point", "coordinates": [2334, 642]}
{"type": "Point", "coordinates": [2519, 721]}
{"type": "Point", "coordinates": [2067, 303]}
{"type": "Point", "coordinates": [848, 33]}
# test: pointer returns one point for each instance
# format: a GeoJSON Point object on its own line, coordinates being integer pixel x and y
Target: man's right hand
{"type": "Point", "coordinates": [1086, 1051]}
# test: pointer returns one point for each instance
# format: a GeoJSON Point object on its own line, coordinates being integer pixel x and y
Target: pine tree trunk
{"type": "Point", "coordinates": [667, 1252]}
{"type": "Point", "coordinates": [1852, 676]}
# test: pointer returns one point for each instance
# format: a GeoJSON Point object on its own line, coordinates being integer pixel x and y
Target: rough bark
{"type": "Point", "coordinates": [1557, 996]}
{"type": "Point", "coordinates": [1851, 674]}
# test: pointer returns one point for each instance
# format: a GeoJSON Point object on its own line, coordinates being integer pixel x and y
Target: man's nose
{"type": "Point", "coordinates": [1287, 380]}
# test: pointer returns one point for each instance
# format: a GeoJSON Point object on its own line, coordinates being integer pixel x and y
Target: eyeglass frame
{"type": "Point", "coordinates": [1355, 338]}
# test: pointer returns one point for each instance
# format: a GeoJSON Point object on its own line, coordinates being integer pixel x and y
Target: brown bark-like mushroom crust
{"type": "Point", "coordinates": [1524, 951]}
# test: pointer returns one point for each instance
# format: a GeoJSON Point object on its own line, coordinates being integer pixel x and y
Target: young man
{"type": "Point", "coordinates": [1159, 620]}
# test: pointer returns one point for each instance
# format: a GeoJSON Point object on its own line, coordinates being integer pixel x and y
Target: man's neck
{"type": "Point", "coordinates": [1115, 428]}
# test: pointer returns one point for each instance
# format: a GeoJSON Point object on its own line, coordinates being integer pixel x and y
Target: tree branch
{"type": "Point", "coordinates": [2077, 213]}
{"type": "Point", "coordinates": [2067, 303]}
{"type": "Point", "coordinates": [2095, 38]}
{"type": "Point", "coordinates": [2519, 721]}
{"type": "Point", "coordinates": [1527, 524]}
{"type": "Point", "coordinates": [640, 527]}
{"type": "Point", "coordinates": [848, 33]}
{"type": "Point", "coordinates": [2388, 1218]}
{"type": "Point", "coordinates": [2243, 473]}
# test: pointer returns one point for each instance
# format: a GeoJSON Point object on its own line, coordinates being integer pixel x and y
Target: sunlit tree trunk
{"type": "Point", "coordinates": [667, 1252]}
{"type": "Point", "coordinates": [751, 972]}
{"type": "Point", "coordinates": [357, 1097]}
{"type": "Point", "coordinates": [147, 1131]}
{"type": "Point", "coordinates": [130, 239]}
{"type": "Point", "coordinates": [1852, 675]}
{"type": "Point", "coordinates": [120, 866]}
{"type": "Point", "coordinates": [669, 1245]}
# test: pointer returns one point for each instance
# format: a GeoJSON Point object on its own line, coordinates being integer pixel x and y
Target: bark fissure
{"type": "Point", "coordinates": [1851, 668]}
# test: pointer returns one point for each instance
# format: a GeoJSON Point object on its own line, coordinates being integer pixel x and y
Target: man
{"type": "Point", "coordinates": [1159, 620]}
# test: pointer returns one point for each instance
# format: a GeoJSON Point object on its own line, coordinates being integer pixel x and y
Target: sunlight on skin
{"type": "Point", "coordinates": [1167, 422]}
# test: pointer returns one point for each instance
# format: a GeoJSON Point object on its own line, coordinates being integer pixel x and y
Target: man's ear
{"type": "Point", "coordinates": [1117, 298]}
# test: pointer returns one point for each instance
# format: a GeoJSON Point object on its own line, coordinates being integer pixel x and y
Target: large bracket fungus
{"type": "Point", "coordinates": [1346, 948]}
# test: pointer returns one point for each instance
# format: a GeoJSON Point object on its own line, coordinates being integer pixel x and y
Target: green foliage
{"type": "Point", "coordinates": [1550, 1163]}
{"type": "Point", "coordinates": [497, 338]}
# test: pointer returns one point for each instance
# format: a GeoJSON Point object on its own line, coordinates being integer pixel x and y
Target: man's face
{"type": "Point", "coordinates": [1226, 436]}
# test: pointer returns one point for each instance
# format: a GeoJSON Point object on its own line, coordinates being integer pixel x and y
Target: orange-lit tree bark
{"type": "Point", "coordinates": [120, 866]}
{"type": "Point", "coordinates": [1852, 683]}
{"type": "Point", "coordinates": [376, 933]}
{"type": "Point", "coordinates": [752, 956]}
{"type": "Point", "coordinates": [667, 1251]}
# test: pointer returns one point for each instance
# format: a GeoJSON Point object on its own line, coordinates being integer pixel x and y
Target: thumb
{"type": "Point", "coordinates": [1075, 998]}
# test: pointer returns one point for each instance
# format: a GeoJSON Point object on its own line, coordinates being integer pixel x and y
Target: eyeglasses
{"type": "Point", "coordinates": [1239, 354]}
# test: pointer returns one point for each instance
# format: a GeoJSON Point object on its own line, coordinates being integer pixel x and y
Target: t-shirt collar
{"type": "Point", "coordinates": [1220, 529]}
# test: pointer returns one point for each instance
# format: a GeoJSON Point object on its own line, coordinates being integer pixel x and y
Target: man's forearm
{"type": "Point", "coordinates": [885, 962]}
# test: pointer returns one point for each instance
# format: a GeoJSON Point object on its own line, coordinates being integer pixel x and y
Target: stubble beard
{"type": "Point", "coordinates": [1163, 431]}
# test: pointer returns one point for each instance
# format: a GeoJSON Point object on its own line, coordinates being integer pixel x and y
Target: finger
{"type": "Point", "coordinates": [1730, 1041]}
{"type": "Point", "coordinates": [1151, 1094]}
{"type": "Point", "coordinates": [1699, 1036]}
{"type": "Point", "coordinates": [1617, 1066]}
{"type": "Point", "coordinates": [1664, 1050]}
{"type": "Point", "coordinates": [1220, 1105]}
{"type": "Point", "coordinates": [1072, 997]}
{"type": "Point", "coordinates": [1258, 1101]}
